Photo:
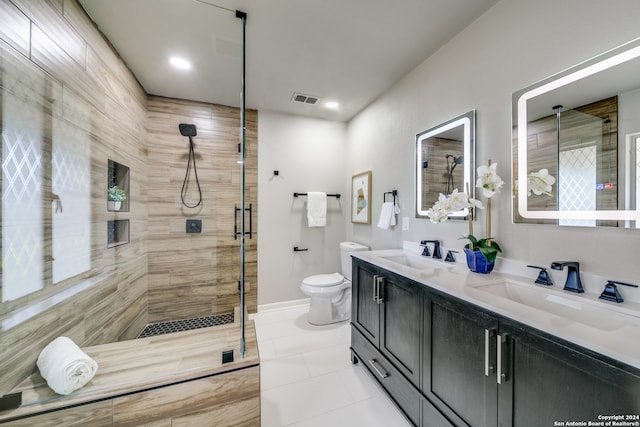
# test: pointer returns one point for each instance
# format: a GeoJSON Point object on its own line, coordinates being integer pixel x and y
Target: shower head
{"type": "Point", "coordinates": [187, 130]}
{"type": "Point", "coordinates": [456, 160]}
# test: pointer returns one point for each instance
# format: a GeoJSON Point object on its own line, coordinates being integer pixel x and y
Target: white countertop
{"type": "Point", "coordinates": [620, 342]}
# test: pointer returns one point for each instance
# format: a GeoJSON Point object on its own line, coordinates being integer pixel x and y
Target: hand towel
{"type": "Point", "coordinates": [316, 209]}
{"type": "Point", "coordinates": [65, 366]}
{"type": "Point", "coordinates": [387, 216]}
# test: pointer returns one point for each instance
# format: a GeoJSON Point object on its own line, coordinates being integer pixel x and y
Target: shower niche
{"type": "Point", "coordinates": [117, 187]}
{"type": "Point", "coordinates": [117, 232]}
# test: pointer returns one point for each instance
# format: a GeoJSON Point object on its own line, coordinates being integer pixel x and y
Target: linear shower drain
{"type": "Point", "coordinates": [185, 324]}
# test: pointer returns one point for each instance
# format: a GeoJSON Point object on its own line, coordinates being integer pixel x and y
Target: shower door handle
{"type": "Point", "coordinates": [236, 232]}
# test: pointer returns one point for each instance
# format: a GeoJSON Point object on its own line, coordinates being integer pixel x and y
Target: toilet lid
{"type": "Point", "coordinates": [324, 280]}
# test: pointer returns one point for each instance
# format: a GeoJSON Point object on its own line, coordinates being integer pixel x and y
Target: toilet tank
{"type": "Point", "coordinates": [345, 256]}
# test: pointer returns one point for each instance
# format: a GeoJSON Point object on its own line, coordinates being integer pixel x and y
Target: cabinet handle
{"type": "Point", "coordinates": [488, 368]}
{"type": "Point", "coordinates": [379, 281]}
{"type": "Point", "coordinates": [500, 375]}
{"type": "Point", "coordinates": [374, 283]}
{"type": "Point", "coordinates": [383, 374]}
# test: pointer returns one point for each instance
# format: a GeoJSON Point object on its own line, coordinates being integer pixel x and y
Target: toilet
{"type": "Point", "coordinates": [330, 294]}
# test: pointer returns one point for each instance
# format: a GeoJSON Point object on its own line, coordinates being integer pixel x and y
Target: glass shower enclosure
{"type": "Point", "coordinates": [69, 136]}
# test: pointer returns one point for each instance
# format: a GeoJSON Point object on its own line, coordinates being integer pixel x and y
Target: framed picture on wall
{"type": "Point", "coordinates": [361, 198]}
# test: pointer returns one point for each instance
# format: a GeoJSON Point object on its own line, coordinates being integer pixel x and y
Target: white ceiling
{"type": "Point", "coordinates": [349, 51]}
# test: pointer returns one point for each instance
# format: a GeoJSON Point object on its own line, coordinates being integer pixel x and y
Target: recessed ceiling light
{"type": "Point", "coordinates": [332, 105]}
{"type": "Point", "coordinates": [180, 63]}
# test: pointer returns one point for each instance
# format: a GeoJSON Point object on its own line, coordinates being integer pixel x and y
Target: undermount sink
{"type": "Point", "coordinates": [410, 261]}
{"type": "Point", "coordinates": [570, 307]}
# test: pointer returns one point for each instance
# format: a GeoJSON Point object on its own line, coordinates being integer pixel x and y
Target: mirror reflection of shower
{"type": "Point", "coordinates": [452, 162]}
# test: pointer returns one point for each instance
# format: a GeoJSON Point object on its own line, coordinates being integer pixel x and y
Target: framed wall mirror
{"type": "Point", "coordinates": [576, 144]}
{"type": "Point", "coordinates": [445, 162]}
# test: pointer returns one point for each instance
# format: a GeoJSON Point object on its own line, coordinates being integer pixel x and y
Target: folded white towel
{"type": "Point", "coordinates": [65, 366]}
{"type": "Point", "coordinates": [387, 216]}
{"type": "Point", "coordinates": [316, 209]}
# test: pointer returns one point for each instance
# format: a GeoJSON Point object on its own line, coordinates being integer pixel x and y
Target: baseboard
{"type": "Point", "coordinates": [282, 305]}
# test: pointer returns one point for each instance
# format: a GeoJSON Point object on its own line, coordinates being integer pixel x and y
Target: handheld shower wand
{"type": "Point", "coordinates": [190, 131]}
{"type": "Point", "coordinates": [450, 167]}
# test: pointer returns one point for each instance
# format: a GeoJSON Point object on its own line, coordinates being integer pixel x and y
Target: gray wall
{"type": "Point", "coordinates": [514, 44]}
{"type": "Point", "coordinates": [309, 156]}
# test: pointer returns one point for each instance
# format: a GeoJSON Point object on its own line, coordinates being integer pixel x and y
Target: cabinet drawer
{"type": "Point", "coordinates": [398, 387]}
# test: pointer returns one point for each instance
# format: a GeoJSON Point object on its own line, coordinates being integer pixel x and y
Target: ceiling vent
{"type": "Point", "coordinates": [305, 99]}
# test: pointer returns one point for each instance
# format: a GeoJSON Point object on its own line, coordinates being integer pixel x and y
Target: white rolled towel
{"type": "Point", "coordinates": [65, 366]}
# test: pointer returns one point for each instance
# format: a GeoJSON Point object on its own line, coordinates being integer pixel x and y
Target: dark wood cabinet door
{"type": "Point", "coordinates": [553, 382]}
{"type": "Point", "coordinates": [401, 325]}
{"type": "Point", "coordinates": [365, 311]}
{"type": "Point", "coordinates": [458, 374]}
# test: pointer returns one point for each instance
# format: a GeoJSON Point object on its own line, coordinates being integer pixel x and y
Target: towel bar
{"type": "Point", "coordinates": [337, 196]}
{"type": "Point", "coordinates": [394, 193]}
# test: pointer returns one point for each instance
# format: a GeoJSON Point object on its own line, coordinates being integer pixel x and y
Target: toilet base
{"type": "Point", "coordinates": [326, 310]}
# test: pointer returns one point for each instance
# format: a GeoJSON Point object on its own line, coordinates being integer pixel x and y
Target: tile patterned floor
{"type": "Point", "coordinates": [161, 328]}
{"type": "Point", "coordinates": [307, 379]}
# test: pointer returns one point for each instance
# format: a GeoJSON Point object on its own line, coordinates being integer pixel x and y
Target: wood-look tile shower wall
{"type": "Point", "coordinates": [193, 275]}
{"type": "Point", "coordinates": [91, 95]}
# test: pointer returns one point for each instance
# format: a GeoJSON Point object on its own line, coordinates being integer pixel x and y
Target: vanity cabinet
{"type": "Point", "coordinates": [550, 380]}
{"type": "Point", "coordinates": [475, 367]}
{"type": "Point", "coordinates": [457, 374]}
{"type": "Point", "coordinates": [481, 369]}
{"type": "Point", "coordinates": [386, 336]}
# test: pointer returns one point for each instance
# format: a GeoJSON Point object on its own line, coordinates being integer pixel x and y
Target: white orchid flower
{"type": "Point", "coordinates": [488, 180]}
{"type": "Point", "coordinates": [454, 202]}
{"type": "Point", "coordinates": [540, 183]}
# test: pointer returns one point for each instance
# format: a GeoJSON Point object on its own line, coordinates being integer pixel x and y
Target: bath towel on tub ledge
{"type": "Point", "coordinates": [316, 209]}
{"type": "Point", "coordinates": [65, 366]}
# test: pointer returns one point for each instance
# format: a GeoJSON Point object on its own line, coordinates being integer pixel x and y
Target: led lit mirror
{"type": "Point", "coordinates": [445, 161]}
{"type": "Point", "coordinates": [576, 149]}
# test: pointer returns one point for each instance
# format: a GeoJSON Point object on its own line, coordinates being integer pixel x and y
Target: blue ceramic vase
{"type": "Point", "coordinates": [477, 262]}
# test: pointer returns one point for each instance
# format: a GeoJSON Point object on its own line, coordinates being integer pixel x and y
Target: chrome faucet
{"type": "Point", "coordinates": [436, 248]}
{"type": "Point", "coordinates": [573, 283]}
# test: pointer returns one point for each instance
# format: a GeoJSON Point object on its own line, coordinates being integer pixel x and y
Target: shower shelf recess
{"type": "Point", "coordinates": [118, 175]}
{"type": "Point", "coordinates": [117, 232]}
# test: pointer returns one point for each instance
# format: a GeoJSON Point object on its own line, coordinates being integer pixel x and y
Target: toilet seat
{"type": "Point", "coordinates": [324, 280]}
